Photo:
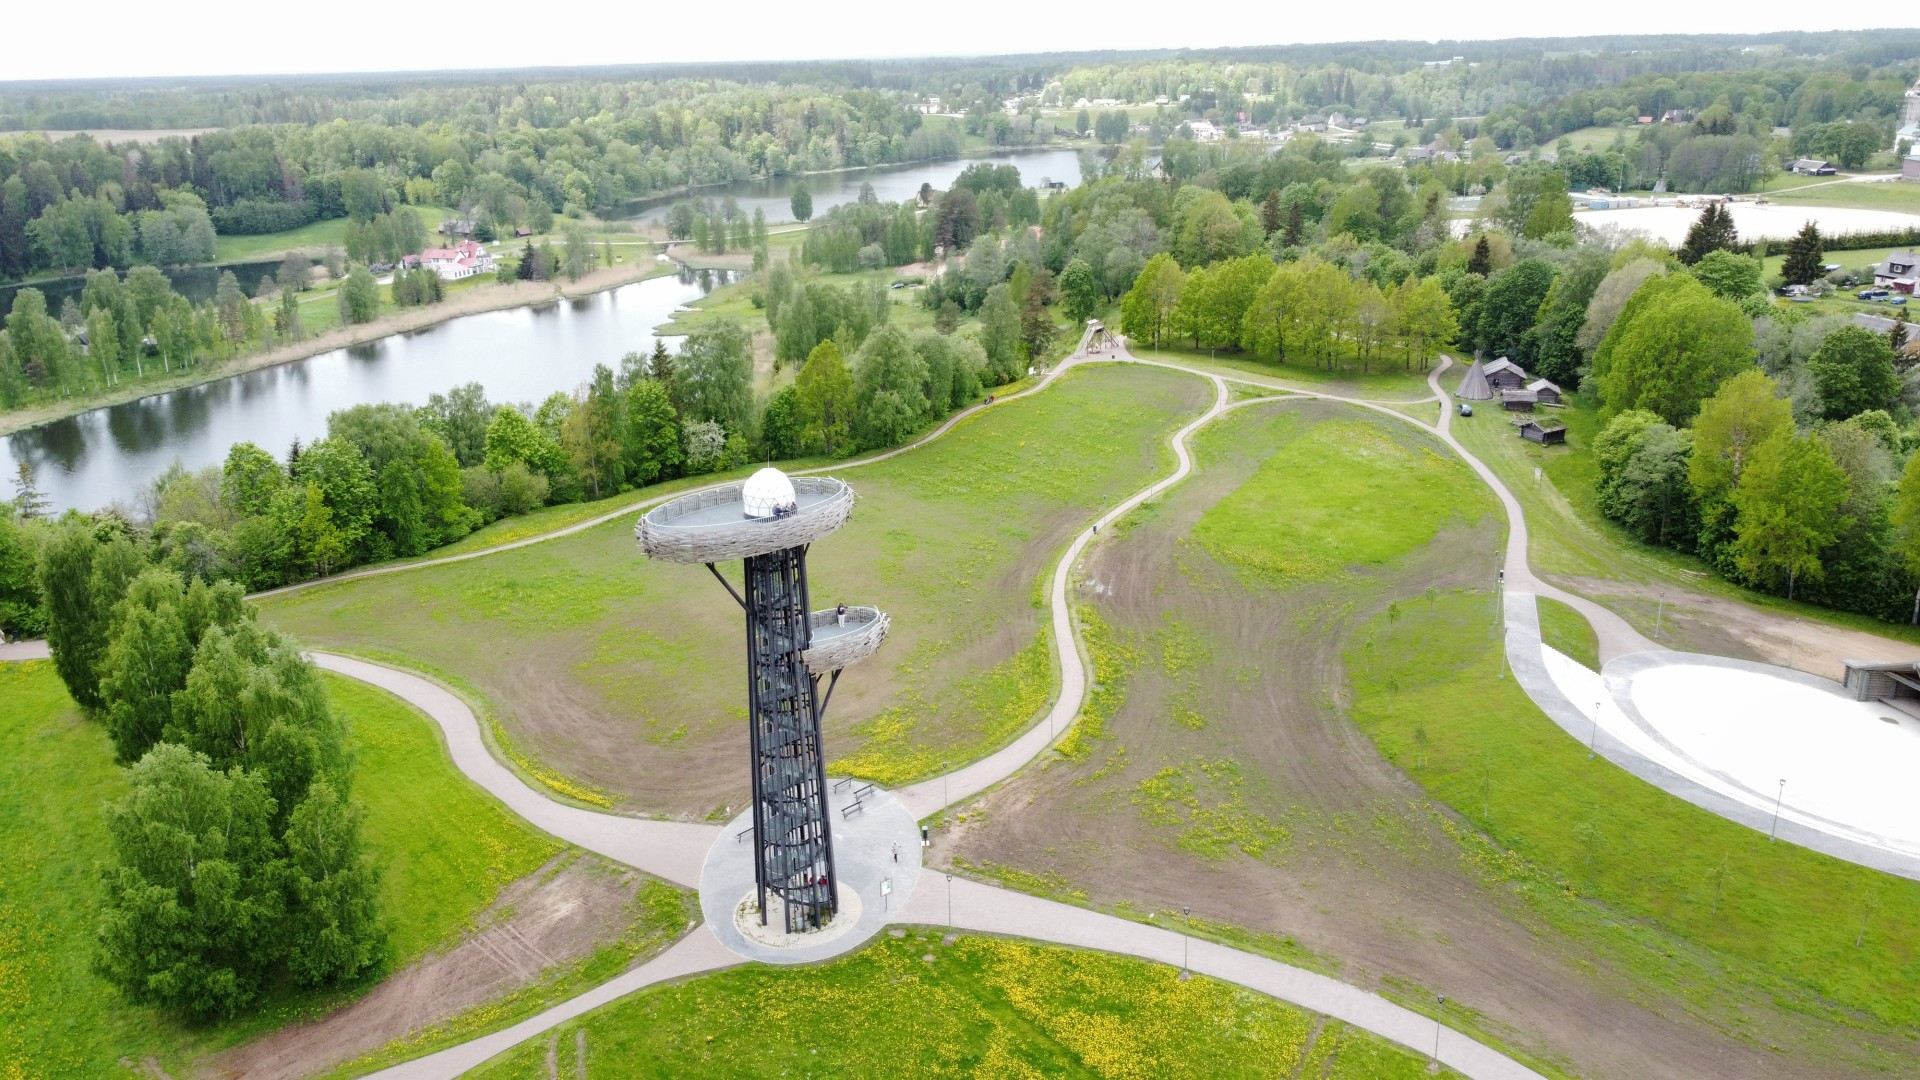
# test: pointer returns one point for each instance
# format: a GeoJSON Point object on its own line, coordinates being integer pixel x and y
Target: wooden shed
{"type": "Point", "coordinates": [1535, 431]}
{"type": "Point", "coordinates": [1545, 392]}
{"type": "Point", "coordinates": [1504, 374]}
{"type": "Point", "coordinates": [1518, 400]}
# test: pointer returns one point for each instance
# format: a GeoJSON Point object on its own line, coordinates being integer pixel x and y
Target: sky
{"type": "Point", "coordinates": [228, 37]}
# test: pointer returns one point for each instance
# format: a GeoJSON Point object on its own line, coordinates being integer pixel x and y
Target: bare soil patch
{"type": "Point", "coordinates": [1279, 815]}
{"type": "Point", "coordinates": [1698, 622]}
{"type": "Point", "coordinates": [550, 918]}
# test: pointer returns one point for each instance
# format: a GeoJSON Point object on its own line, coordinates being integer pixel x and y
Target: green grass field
{"type": "Point", "coordinates": [1312, 509]}
{"type": "Point", "coordinates": [979, 1007]}
{"type": "Point", "coordinates": [1679, 897]}
{"type": "Point", "coordinates": [1888, 195]}
{"type": "Point", "coordinates": [1592, 139]}
{"type": "Point", "coordinates": [313, 236]}
{"type": "Point", "coordinates": [446, 850]}
{"type": "Point", "coordinates": [951, 539]}
{"type": "Point", "coordinates": [1569, 633]}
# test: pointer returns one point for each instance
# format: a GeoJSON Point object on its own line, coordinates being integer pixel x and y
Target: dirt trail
{"type": "Point", "coordinates": [554, 916]}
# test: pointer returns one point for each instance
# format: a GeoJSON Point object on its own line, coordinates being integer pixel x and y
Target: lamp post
{"type": "Point", "coordinates": [1186, 925]}
{"type": "Point", "coordinates": [1593, 736]}
{"type": "Point", "coordinates": [949, 901]}
{"type": "Point", "coordinates": [1433, 1064]}
{"type": "Point", "coordinates": [1774, 832]}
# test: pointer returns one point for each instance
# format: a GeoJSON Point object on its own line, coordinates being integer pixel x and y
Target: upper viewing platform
{"type": "Point", "coordinates": [766, 512]}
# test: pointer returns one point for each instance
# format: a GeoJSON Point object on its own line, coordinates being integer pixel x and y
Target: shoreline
{"type": "Point", "coordinates": [475, 302]}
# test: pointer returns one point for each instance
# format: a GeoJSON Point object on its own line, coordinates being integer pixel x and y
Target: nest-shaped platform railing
{"type": "Point", "coordinates": [697, 528]}
{"type": "Point", "coordinates": [837, 644]}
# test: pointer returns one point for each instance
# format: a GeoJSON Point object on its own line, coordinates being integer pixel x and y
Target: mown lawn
{"type": "Point", "coordinates": [1886, 195]}
{"type": "Point", "coordinates": [1315, 507]}
{"type": "Point", "coordinates": [1679, 897]}
{"type": "Point", "coordinates": [1569, 633]}
{"type": "Point", "coordinates": [446, 850]}
{"type": "Point", "coordinates": [313, 236]}
{"type": "Point", "coordinates": [981, 1006]}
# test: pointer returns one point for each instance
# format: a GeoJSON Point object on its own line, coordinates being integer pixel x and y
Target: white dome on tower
{"type": "Point", "coordinates": [765, 492]}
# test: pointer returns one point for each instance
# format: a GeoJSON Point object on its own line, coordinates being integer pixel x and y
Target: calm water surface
{"type": "Point", "coordinates": [111, 454]}
{"type": "Point", "coordinates": [890, 183]}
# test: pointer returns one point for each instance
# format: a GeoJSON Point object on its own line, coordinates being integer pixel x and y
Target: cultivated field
{"type": "Point", "coordinates": [621, 676]}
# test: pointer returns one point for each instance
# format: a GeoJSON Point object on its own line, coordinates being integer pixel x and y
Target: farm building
{"type": "Point", "coordinates": [1812, 167]}
{"type": "Point", "coordinates": [1544, 434]}
{"type": "Point", "coordinates": [1545, 391]}
{"type": "Point", "coordinates": [1519, 400]}
{"type": "Point", "coordinates": [1504, 374]}
{"type": "Point", "coordinates": [1473, 387]}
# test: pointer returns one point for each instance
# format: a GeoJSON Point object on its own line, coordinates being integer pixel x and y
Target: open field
{"type": "Point", "coordinates": [1898, 195]}
{"type": "Point", "coordinates": [1225, 772]}
{"type": "Point", "coordinates": [1594, 139]}
{"type": "Point", "coordinates": [313, 236]}
{"type": "Point", "coordinates": [622, 674]}
{"type": "Point", "coordinates": [1665, 594]}
{"type": "Point", "coordinates": [448, 852]}
{"type": "Point", "coordinates": [1785, 950]}
{"type": "Point", "coordinates": [921, 1005]}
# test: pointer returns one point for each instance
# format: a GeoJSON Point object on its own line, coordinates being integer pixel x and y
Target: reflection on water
{"type": "Point", "coordinates": [524, 354]}
{"type": "Point", "coordinates": [890, 184]}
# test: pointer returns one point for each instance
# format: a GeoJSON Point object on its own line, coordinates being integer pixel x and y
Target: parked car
{"type": "Point", "coordinates": [1872, 294]}
{"type": "Point", "coordinates": [1466, 409]}
{"type": "Point", "coordinates": [1898, 301]}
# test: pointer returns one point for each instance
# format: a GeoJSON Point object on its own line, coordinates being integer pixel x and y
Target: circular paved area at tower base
{"type": "Point", "coordinates": [864, 844]}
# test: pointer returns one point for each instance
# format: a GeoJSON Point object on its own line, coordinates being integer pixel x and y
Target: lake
{"type": "Point", "coordinates": [111, 454]}
{"type": "Point", "coordinates": [892, 183]}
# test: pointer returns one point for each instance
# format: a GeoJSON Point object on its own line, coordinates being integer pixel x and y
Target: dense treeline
{"type": "Point", "coordinates": [506, 155]}
{"type": "Point", "coordinates": [237, 861]}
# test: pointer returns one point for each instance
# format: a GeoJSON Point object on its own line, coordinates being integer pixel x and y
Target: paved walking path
{"type": "Point", "coordinates": [673, 850]}
{"type": "Point", "coordinates": [989, 909]}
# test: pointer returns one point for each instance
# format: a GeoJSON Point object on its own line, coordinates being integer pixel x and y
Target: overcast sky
{"type": "Point", "coordinates": [98, 38]}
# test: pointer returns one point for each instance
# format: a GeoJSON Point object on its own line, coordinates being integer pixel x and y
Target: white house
{"type": "Point", "coordinates": [462, 260]}
{"type": "Point", "coordinates": [1205, 131]}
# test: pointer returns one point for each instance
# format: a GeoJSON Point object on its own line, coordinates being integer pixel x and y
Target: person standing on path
{"type": "Point", "coordinates": [896, 853]}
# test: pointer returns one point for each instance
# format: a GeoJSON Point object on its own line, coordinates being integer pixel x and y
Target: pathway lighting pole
{"type": "Point", "coordinates": [1774, 832]}
{"type": "Point", "coordinates": [1186, 927]}
{"type": "Point", "coordinates": [1593, 737]}
{"type": "Point", "coordinates": [1433, 1065]}
{"type": "Point", "coordinates": [949, 901]}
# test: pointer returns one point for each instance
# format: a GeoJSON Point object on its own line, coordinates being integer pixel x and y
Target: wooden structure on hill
{"type": "Point", "coordinates": [1504, 374]}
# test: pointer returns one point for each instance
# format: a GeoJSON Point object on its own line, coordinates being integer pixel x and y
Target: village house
{"type": "Point", "coordinates": [1898, 272]}
{"type": "Point", "coordinates": [1545, 391]}
{"type": "Point", "coordinates": [1812, 167]}
{"type": "Point", "coordinates": [1204, 131]}
{"type": "Point", "coordinates": [462, 260]}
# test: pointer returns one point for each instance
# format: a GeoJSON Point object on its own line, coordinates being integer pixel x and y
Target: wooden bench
{"type": "Point", "coordinates": [852, 808]}
{"type": "Point", "coordinates": [862, 792]}
{"type": "Point", "coordinates": [842, 782]}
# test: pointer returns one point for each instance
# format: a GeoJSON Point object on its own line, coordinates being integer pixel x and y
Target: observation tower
{"type": "Point", "coordinates": [769, 522]}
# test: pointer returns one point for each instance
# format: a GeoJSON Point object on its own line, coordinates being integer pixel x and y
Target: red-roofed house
{"type": "Point", "coordinates": [462, 260]}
